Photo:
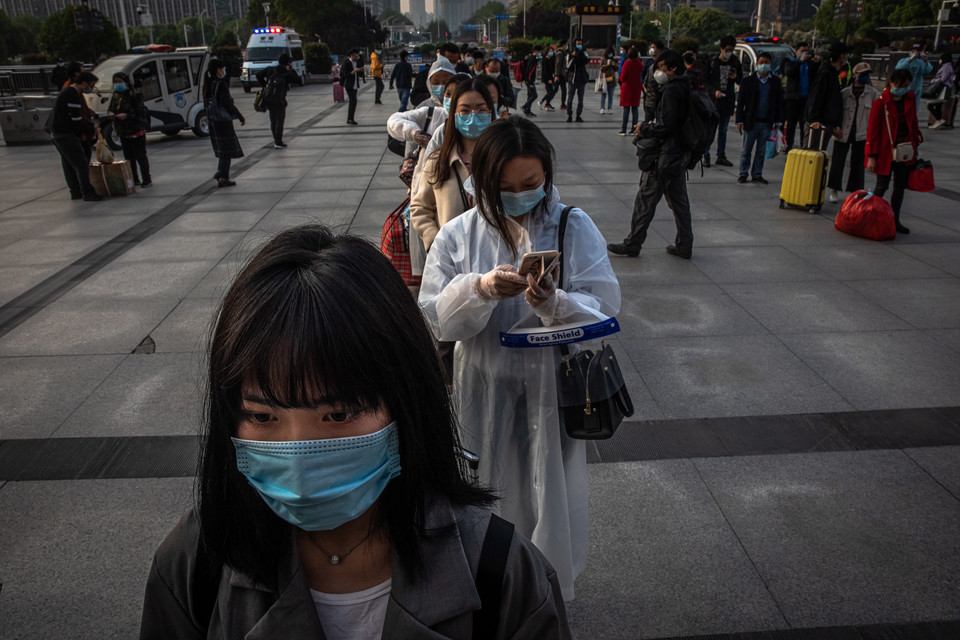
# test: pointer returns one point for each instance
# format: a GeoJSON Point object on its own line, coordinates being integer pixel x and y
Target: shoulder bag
{"type": "Point", "coordinates": [409, 163]}
{"type": "Point", "coordinates": [591, 394]}
{"type": "Point", "coordinates": [903, 152]}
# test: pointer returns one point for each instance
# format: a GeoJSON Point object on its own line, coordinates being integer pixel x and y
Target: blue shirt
{"type": "Point", "coordinates": [804, 79]}
{"type": "Point", "coordinates": [763, 102]}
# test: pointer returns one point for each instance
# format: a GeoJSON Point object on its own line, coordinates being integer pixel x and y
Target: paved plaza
{"type": "Point", "coordinates": [794, 460]}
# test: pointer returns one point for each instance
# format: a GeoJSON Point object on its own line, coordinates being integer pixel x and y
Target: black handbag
{"type": "Point", "coordinates": [648, 150]}
{"type": "Point", "coordinates": [591, 394]}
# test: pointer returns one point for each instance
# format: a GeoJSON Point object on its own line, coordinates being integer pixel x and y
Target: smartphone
{"type": "Point", "coordinates": [538, 263]}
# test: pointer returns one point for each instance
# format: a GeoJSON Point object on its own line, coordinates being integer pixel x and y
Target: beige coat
{"type": "Point", "coordinates": [432, 206]}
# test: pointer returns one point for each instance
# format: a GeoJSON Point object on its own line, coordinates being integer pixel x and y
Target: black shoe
{"type": "Point", "coordinates": [76, 196]}
{"type": "Point", "coordinates": [136, 182]}
{"type": "Point", "coordinates": [92, 198]}
{"type": "Point", "coordinates": [723, 162]}
{"type": "Point", "coordinates": [741, 179]}
{"type": "Point", "coordinates": [530, 114]}
{"type": "Point", "coordinates": [706, 160]}
{"type": "Point", "coordinates": [672, 250]}
{"type": "Point", "coordinates": [761, 180]}
{"type": "Point", "coordinates": [226, 183]}
{"type": "Point", "coordinates": [351, 122]}
{"type": "Point", "coordinates": [146, 183]}
{"type": "Point", "coordinates": [216, 176]}
{"type": "Point", "coordinates": [569, 118]}
{"type": "Point", "coordinates": [377, 102]}
{"type": "Point", "coordinates": [579, 119]}
{"type": "Point", "coordinates": [902, 229]}
{"type": "Point", "coordinates": [621, 249]}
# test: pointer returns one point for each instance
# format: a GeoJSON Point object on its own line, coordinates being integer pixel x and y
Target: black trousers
{"type": "Point", "coordinates": [278, 114]}
{"type": "Point", "coordinates": [794, 111]}
{"type": "Point", "coordinates": [563, 90]}
{"type": "Point", "coordinates": [75, 161]}
{"type": "Point", "coordinates": [135, 150]}
{"type": "Point", "coordinates": [649, 114]}
{"type": "Point", "coordinates": [855, 177]}
{"type": "Point", "coordinates": [551, 88]}
{"type": "Point", "coordinates": [379, 82]}
{"type": "Point", "coordinates": [900, 172]}
{"type": "Point", "coordinates": [352, 104]}
{"type": "Point", "coordinates": [652, 188]}
{"type": "Point", "coordinates": [576, 89]}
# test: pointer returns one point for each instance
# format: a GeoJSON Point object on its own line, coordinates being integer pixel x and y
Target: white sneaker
{"type": "Point", "coordinates": [938, 124]}
{"type": "Point", "coordinates": [833, 196]}
{"type": "Point", "coordinates": [602, 112]}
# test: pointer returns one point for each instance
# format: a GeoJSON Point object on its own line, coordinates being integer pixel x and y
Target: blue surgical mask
{"type": "Point", "coordinates": [120, 86]}
{"type": "Point", "coordinates": [899, 91]}
{"type": "Point", "coordinates": [318, 485]}
{"type": "Point", "coordinates": [517, 204]}
{"type": "Point", "coordinates": [579, 47]}
{"type": "Point", "coordinates": [864, 79]}
{"type": "Point", "coordinates": [763, 68]}
{"type": "Point", "coordinates": [468, 60]}
{"type": "Point", "coordinates": [550, 54]}
{"type": "Point", "coordinates": [446, 105]}
{"type": "Point", "coordinates": [437, 91]}
{"type": "Point", "coordinates": [471, 125]}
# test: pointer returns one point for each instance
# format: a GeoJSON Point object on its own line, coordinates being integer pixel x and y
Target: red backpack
{"type": "Point", "coordinates": [519, 71]}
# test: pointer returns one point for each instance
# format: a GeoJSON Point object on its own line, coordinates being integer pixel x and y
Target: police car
{"type": "Point", "coordinates": [264, 48]}
{"type": "Point", "coordinates": [750, 45]}
{"type": "Point", "coordinates": [170, 81]}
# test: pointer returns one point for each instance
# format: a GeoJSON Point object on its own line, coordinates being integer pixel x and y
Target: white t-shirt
{"type": "Point", "coordinates": [353, 616]}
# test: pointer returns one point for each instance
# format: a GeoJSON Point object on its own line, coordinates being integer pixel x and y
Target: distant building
{"type": "Point", "coordinates": [418, 13]}
{"type": "Point", "coordinates": [163, 11]}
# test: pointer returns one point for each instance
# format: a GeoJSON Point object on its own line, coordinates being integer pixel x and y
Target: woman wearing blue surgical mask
{"type": "Point", "coordinates": [893, 122]}
{"type": "Point", "coordinates": [415, 126]}
{"type": "Point", "coordinates": [858, 100]}
{"type": "Point", "coordinates": [507, 398]}
{"type": "Point", "coordinates": [130, 119]}
{"type": "Point", "coordinates": [331, 501]}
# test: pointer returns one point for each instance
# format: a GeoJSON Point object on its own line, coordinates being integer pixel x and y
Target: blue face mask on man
{"type": "Point", "coordinates": [579, 47]}
{"type": "Point", "coordinates": [763, 68]}
{"type": "Point", "coordinates": [864, 79]}
{"type": "Point", "coordinates": [517, 204]}
{"type": "Point", "coordinates": [471, 125]}
{"type": "Point", "coordinates": [437, 91]}
{"type": "Point", "coordinates": [318, 485]}
{"type": "Point", "coordinates": [120, 86]}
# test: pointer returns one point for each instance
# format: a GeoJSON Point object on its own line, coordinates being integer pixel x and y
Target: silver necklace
{"type": "Point", "coordinates": [335, 558]}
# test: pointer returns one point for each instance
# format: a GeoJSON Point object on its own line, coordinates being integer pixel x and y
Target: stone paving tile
{"type": "Point", "coordinates": [160, 393]}
{"type": "Point", "coordinates": [882, 369]}
{"type": "Point", "coordinates": [943, 465]}
{"type": "Point", "coordinates": [665, 566]}
{"type": "Point", "coordinates": [720, 376]}
{"type": "Point", "coordinates": [188, 326]}
{"type": "Point", "coordinates": [867, 262]}
{"type": "Point", "coordinates": [41, 392]}
{"type": "Point", "coordinates": [83, 535]}
{"type": "Point", "coordinates": [944, 256]}
{"type": "Point", "coordinates": [925, 304]}
{"type": "Point", "coordinates": [811, 307]}
{"type": "Point", "coordinates": [693, 310]}
{"type": "Point", "coordinates": [729, 265]}
{"type": "Point", "coordinates": [844, 538]}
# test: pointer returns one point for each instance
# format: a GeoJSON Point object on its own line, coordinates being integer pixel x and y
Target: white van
{"type": "Point", "coordinates": [264, 47]}
{"type": "Point", "coordinates": [748, 47]}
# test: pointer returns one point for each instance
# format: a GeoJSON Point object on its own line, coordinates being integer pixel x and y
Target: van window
{"type": "Point", "coordinates": [296, 53]}
{"type": "Point", "coordinates": [264, 54]}
{"type": "Point", "coordinates": [195, 62]}
{"type": "Point", "coordinates": [147, 80]}
{"type": "Point", "coordinates": [178, 78]}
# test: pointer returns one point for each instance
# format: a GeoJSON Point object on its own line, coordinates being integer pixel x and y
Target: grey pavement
{"type": "Point", "coordinates": [794, 462]}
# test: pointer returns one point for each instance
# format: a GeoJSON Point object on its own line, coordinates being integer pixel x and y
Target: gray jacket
{"type": "Point", "coordinates": [861, 107]}
{"type": "Point", "coordinates": [440, 605]}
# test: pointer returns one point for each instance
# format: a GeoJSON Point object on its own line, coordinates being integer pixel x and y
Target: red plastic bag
{"type": "Point", "coordinates": [921, 178]}
{"type": "Point", "coordinates": [866, 215]}
{"type": "Point", "coordinates": [395, 245]}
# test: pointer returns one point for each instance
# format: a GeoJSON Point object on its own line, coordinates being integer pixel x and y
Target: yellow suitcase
{"type": "Point", "coordinates": [804, 179]}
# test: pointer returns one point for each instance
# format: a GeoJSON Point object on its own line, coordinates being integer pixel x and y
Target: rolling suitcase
{"type": "Point", "coordinates": [337, 91]}
{"type": "Point", "coordinates": [804, 179]}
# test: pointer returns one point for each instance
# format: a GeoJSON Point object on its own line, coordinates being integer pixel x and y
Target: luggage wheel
{"type": "Point", "coordinates": [781, 204]}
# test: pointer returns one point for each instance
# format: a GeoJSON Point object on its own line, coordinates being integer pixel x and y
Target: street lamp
{"type": "Point", "coordinates": [944, 14]}
{"type": "Point", "coordinates": [146, 18]}
{"type": "Point", "coordinates": [266, 12]}
{"type": "Point", "coordinates": [759, 14]}
{"type": "Point", "coordinates": [669, 23]}
{"type": "Point", "coordinates": [186, 41]}
{"type": "Point", "coordinates": [203, 32]}
{"type": "Point", "coordinates": [816, 8]}
{"type": "Point", "coordinates": [236, 28]}
{"type": "Point", "coordinates": [524, 18]}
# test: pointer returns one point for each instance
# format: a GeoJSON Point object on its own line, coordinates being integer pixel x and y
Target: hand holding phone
{"type": "Point", "coordinates": [538, 263]}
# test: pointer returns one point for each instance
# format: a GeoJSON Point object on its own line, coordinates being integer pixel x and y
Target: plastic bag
{"type": "Point", "coordinates": [921, 177]}
{"type": "Point", "coordinates": [781, 141]}
{"type": "Point", "coordinates": [866, 215]}
{"type": "Point", "coordinates": [102, 150]}
{"type": "Point", "coordinates": [770, 151]}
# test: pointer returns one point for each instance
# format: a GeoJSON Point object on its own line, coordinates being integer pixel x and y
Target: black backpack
{"type": "Point", "coordinates": [700, 127]}
{"type": "Point", "coordinates": [272, 92]}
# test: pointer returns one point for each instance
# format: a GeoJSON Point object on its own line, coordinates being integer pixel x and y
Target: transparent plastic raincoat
{"type": "Point", "coordinates": [507, 398]}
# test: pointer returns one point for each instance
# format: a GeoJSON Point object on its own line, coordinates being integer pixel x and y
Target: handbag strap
{"type": "Point", "coordinates": [490, 574]}
{"type": "Point", "coordinates": [561, 232]}
{"type": "Point", "coordinates": [426, 125]}
{"type": "Point", "coordinates": [463, 192]}
{"type": "Point", "coordinates": [886, 118]}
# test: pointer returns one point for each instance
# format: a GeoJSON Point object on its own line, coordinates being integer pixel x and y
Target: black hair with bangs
{"type": "Point", "coordinates": [316, 316]}
{"type": "Point", "coordinates": [501, 142]}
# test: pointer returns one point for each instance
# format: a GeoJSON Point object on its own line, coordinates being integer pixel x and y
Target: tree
{"type": "Point", "coordinates": [542, 22]}
{"type": "Point", "coordinates": [441, 32]}
{"type": "Point", "coordinates": [59, 38]}
{"type": "Point", "coordinates": [389, 16]}
{"type": "Point", "coordinates": [316, 55]}
{"type": "Point", "coordinates": [487, 12]}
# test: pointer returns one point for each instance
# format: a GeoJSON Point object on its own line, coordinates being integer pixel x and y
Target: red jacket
{"type": "Point", "coordinates": [631, 83]}
{"type": "Point", "coordinates": [878, 138]}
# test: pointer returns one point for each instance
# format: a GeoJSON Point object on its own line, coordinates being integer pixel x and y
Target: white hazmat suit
{"type": "Point", "coordinates": [507, 398]}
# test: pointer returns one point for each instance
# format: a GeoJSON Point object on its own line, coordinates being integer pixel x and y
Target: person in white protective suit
{"type": "Point", "coordinates": [507, 398]}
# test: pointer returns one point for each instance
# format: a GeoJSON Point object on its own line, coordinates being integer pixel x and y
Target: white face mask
{"type": "Point", "coordinates": [661, 76]}
{"type": "Point", "coordinates": [725, 55]}
{"type": "Point", "coordinates": [651, 52]}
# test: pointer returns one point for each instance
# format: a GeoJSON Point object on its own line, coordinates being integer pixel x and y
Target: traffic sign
{"type": "Point", "coordinates": [503, 16]}
{"type": "Point", "coordinates": [468, 27]}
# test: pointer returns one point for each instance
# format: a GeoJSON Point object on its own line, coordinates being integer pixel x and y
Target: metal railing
{"type": "Point", "coordinates": [20, 79]}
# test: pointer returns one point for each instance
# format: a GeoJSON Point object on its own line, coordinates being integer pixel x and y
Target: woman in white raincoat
{"type": "Point", "coordinates": [507, 398]}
